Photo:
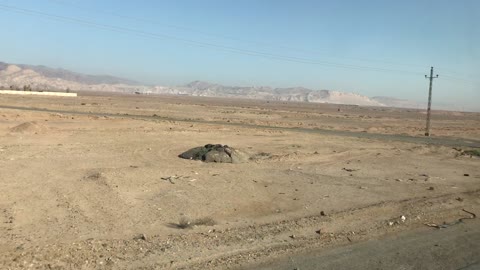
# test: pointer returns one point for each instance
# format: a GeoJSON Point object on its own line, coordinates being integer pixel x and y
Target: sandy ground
{"type": "Point", "coordinates": [89, 191]}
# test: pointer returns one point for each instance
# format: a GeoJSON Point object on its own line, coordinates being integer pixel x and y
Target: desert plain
{"type": "Point", "coordinates": [95, 181]}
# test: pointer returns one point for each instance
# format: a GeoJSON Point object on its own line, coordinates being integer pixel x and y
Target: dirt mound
{"type": "Point", "coordinates": [28, 127]}
{"type": "Point", "coordinates": [215, 153]}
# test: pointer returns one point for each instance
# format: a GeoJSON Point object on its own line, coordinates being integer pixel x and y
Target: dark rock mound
{"type": "Point", "coordinates": [215, 153]}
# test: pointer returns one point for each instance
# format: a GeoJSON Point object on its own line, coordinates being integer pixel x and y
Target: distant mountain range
{"type": "Point", "coordinates": [299, 94]}
{"type": "Point", "coordinates": [45, 78]}
{"type": "Point", "coordinates": [68, 75]}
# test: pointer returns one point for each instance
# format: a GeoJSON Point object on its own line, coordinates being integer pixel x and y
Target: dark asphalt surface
{"type": "Point", "coordinates": [452, 142]}
{"type": "Point", "coordinates": [453, 248]}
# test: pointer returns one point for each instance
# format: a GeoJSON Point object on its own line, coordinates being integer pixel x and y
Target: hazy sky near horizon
{"type": "Point", "coordinates": [374, 48]}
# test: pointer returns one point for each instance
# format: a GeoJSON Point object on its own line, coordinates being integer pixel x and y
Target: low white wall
{"type": "Point", "coordinates": [58, 94]}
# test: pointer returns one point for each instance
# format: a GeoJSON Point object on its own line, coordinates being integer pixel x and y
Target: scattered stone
{"type": "Point", "coordinates": [431, 188]}
{"type": "Point", "coordinates": [318, 231]}
{"type": "Point", "coordinates": [261, 156]}
{"type": "Point", "coordinates": [292, 236]}
{"type": "Point", "coordinates": [322, 213]}
{"type": "Point", "coordinates": [459, 199]}
{"type": "Point", "coordinates": [350, 170]}
{"type": "Point", "coordinates": [170, 179]}
{"type": "Point", "coordinates": [140, 237]}
{"type": "Point", "coordinates": [466, 174]}
{"type": "Point", "coordinates": [94, 176]}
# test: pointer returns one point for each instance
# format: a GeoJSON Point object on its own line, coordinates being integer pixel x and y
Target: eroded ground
{"type": "Point", "coordinates": [94, 191]}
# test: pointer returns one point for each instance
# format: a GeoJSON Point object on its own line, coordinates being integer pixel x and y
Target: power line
{"type": "Point", "coordinates": [454, 72]}
{"type": "Point", "coordinates": [451, 78]}
{"type": "Point", "coordinates": [197, 43]}
{"type": "Point", "coordinates": [192, 30]}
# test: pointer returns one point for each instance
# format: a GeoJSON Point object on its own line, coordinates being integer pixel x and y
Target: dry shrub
{"type": "Point", "coordinates": [185, 223]}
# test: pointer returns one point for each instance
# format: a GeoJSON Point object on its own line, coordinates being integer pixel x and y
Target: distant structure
{"type": "Point", "coordinates": [35, 93]}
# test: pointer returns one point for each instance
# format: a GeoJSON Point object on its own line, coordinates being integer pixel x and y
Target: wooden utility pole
{"type": "Point", "coordinates": [427, 131]}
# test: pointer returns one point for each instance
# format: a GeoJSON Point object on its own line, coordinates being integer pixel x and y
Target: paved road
{"type": "Point", "coordinates": [456, 247]}
{"type": "Point", "coordinates": [452, 142]}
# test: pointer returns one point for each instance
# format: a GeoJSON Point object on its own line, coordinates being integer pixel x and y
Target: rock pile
{"type": "Point", "coordinates": [215, 153]}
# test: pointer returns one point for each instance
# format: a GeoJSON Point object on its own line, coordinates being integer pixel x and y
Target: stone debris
{"type": "Point", "coordinates": [397, 221]}
{"type": "Point", "coordinates": [350, 170]}
{"type": "Point", "coordinates": [216, 153]}
{"type": "Point", "coordinates": [140, 237]}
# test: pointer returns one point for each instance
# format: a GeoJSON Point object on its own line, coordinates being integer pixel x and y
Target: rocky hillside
{"type": "Point", "coordinates": [67, 75]}
{"type": "Point", "coordinates": [44, 78]}
{"type": "Point", "coordinates": [300, 94]}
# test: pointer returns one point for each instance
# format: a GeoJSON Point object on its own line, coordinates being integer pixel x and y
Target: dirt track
{"type": "Point", "coordinates": [78, 189]}
{"type": "Point", "coordinates": [453, 248]}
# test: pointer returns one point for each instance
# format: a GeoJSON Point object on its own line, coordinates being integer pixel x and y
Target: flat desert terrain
{"type": "Point", "coordinates": [95, 181]}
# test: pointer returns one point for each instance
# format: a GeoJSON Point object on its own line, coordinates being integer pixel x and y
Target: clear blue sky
{"type": "Point", "coordinates": [185, 40]}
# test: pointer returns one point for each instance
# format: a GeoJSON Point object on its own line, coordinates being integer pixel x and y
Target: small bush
{"type": "Point", "coordinates": [475, 153]}
{"type": "Point", "coordinates": [185, 223]}
{"type": "Point", "coordinates": [94, 176]}
{"type": "Point", "coordinates": [206, 221]}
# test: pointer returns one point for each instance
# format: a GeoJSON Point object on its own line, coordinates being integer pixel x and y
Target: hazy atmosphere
{"type": "Point", "coordinates": [374, 48]}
